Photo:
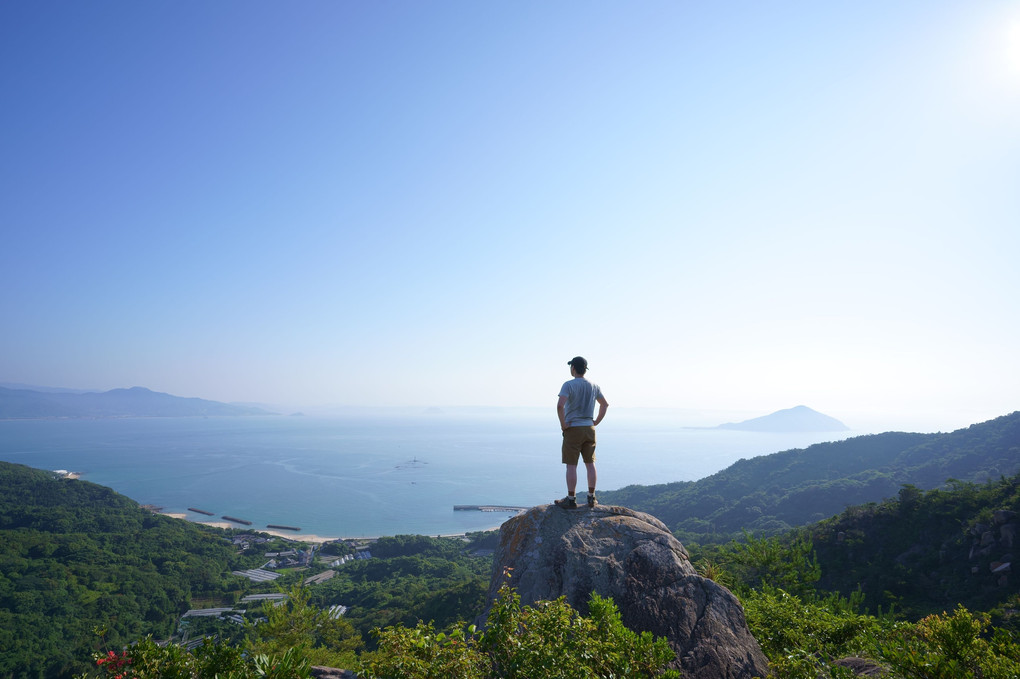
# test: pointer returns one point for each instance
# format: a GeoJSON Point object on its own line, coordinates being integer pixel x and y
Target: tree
{"type": "Point", "coordinates": [789, 565]}
{"type": "Point", "coordinates": [308, 630]}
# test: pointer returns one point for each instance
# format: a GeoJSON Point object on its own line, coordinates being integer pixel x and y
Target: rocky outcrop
{"type": "Point", "coordinates": [632, 557]}
{"type": "Point", "coordinates": [990, 544]}
{"type": "Point", "coordinates": [862, 667]}
{"type": "Point", "coordinates": [331, 673]}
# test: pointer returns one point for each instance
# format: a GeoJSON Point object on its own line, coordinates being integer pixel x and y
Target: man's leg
{"type": "Point", "coordinates": [570, 454]}
{"type": "Point", "coordinates": [588, 455]}
{"type": "Point", "coordinates": [592, 476]}
{"type": "Point", "coordinates": [571, 479]}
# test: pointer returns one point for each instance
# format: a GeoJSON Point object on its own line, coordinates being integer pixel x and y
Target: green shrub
{"type": "Point", "coordinates": [420, 651]}
{"type": "Point", "coordinates": [951, 647]}
{"type": "Point", "coordinates": [148, 660]}
{"type": "Point", "coordinates": [802, 638]}
{"type": "Point", "coordinates": [549, 640]}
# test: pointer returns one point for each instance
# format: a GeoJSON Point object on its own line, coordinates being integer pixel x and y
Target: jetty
{"type": "Point", "coordinates": [199, 511]}
{"type": "Point", "coordinates": [235, 520]}
{"type": "Point", "coordinates": [281, 527]}
{"type": "Point", "coordinates": [489, 508]}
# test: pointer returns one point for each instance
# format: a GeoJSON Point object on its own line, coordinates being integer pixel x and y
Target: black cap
{"type": "Point", "coordinates": [578, 362]}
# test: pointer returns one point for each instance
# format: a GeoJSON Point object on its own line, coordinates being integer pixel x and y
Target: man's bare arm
{"type": "Point", "coordinates": [603, 407]}
{"type": "Point", "coordinates": [561, 411]}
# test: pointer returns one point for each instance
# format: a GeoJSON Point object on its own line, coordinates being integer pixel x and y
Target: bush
{"type": "Point", "coordinates": [548, 640]}
{"type": "Point", "coordinates": [951, 647]}
{"type": "Point", "coordinates": [802, 638]}
{"type": "Point", "coordinates": [148, 660]}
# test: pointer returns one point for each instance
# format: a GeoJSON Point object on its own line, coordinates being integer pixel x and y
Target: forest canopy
{"type": "Point", "coordinates": [76, 556]}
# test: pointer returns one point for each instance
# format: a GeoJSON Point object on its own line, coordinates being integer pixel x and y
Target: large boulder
{"type": "Point", "coordinates": [548, 552]}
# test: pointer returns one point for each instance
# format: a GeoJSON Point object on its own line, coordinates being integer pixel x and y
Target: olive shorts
{"type": "Point", "coordinates": [578, 442]}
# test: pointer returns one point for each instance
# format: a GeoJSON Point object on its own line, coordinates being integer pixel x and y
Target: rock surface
{"type": "Point", "coordinates": [862, 667]}
{"type": "Point", "coordinates": [331, 673]}
{"type": "Point", "coordinates": [633, 558]}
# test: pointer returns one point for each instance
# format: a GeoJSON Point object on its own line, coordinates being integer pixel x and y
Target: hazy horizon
{"type": "Point", "coordinates": [732, 207]}
{"type": "Point", "coordinates": [683, 418]}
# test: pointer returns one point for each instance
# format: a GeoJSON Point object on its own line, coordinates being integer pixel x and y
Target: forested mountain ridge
{"type": "Point", "coordinates": [772, 493]}
{"type": "Point", "coordinates": [133, 402]}
{"type": "Point", "coordinates": [75, 555]}
{"type": "Point", "coordinates": [77, 558]}
{"type": "Point", "coordinates": [925, 551]}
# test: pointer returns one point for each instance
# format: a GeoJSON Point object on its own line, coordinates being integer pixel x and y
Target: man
{"type": "Point", "coordinates": [576, 410]}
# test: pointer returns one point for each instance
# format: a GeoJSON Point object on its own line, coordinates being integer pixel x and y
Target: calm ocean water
{"type": "Point", "coordinates": [371, 474]}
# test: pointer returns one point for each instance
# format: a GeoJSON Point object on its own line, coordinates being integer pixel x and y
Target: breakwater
{"type": "Point", "coordinates": [489, 508]}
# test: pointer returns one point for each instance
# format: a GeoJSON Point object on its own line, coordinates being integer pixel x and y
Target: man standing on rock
{"type": "Point", "coordinates": [576, 410]}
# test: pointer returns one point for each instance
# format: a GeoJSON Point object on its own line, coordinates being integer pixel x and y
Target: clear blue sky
{"type": "Point", "coordinates": [724, 206]}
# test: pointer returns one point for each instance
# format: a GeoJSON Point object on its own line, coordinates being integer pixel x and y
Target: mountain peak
{"type": "Point", "coordinates": [798, 418]}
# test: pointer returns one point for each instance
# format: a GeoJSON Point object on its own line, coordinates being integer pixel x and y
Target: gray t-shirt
{"type": "Point", "coordinates": [581, 394]}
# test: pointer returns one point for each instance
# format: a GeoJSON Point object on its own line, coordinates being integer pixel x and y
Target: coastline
{"type": "Point", "coordinates": [291, 535]}
{"type": "Point", "coordinates": [295, 536]}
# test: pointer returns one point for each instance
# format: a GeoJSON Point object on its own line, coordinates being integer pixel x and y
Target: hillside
{"type": "Point", "coordinates": [134, 402]}
{"type": "Point", "coordinates": [75, 556]}
{"type": "Point", "coordinates": [772, 493]}
{"type": "Point", "coordinates": [926, 552]}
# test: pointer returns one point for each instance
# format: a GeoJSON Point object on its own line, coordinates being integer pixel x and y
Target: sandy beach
{"type": "Point", "coordinates": [290, 535]}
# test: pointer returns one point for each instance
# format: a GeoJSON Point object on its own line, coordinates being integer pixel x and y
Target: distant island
{"type": "Point", "coordinates": [797, 419]}
{"type": "Point", "coordinates": [133, 402]}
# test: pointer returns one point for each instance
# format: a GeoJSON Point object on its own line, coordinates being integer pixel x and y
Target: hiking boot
{"type": "Point", "coordinates": [566, 503]}
{"type": "Point", "coordinates": [591, 500]}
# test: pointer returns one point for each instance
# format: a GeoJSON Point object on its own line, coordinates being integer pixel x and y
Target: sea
{"type": "Point", "coordinates": [376, 473]}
